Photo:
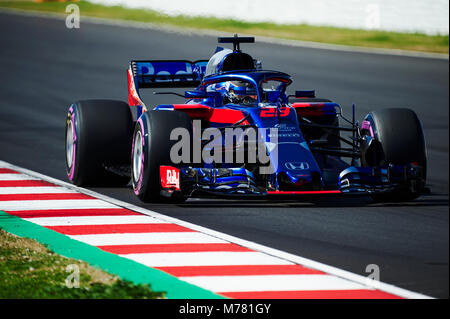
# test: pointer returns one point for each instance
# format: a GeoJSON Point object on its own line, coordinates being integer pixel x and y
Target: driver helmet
{"type": "Point", "coordinates": [240, 92]}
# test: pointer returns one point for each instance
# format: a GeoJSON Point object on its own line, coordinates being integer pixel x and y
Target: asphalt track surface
{"type": "Point", "coordinates": [44, 67]}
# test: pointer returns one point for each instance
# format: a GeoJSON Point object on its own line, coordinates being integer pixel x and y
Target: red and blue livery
{"type": "Point", "coordinates": [240, 134]}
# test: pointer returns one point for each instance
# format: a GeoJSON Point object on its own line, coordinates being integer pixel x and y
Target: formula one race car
{"type": "Point", "coordinates": [239, 134]}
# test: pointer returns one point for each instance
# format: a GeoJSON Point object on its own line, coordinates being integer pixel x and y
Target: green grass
{"type": "Point", "coordinates": [28, 270]}
{"type": "Point", "coordinates": [375, 39]}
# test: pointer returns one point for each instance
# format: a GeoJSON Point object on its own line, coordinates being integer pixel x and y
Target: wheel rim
{"type": "Point", "coordinates": [69, 143]}
{"type": "Point", "coordinates": [137, 156]}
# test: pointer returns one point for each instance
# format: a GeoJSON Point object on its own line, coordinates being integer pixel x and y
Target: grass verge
{"type": "Point", "coordinates": [29, 270]}
{"type": "Point", "coordinates": [341, 36]}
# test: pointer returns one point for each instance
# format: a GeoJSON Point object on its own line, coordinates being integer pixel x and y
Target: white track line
{"type": "Point", "coordinates": [206, 259]}
{"type": "Point", "coordinates": [35, 190]}
{"type": "Point", "coordinates": [54, 204]}
{"type": "Point", "coordinates": [16, 177]}
{"type": "Point", "coordinates": [93, 220]}
{"type": "Point", "coordinates": [219, 237]}
{"type": "Point", "coordinates": [272, 283]}
{"type": "Point", "coordinates": [147, 238]}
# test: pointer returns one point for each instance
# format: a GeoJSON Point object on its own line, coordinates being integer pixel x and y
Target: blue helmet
{"type": "Point", "coordinates": [240, 92]}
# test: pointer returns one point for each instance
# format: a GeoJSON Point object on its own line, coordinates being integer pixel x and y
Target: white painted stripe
{"type": "Point", "coordinates": [35, 190]}
{"type": "Point", "coordinates": [93, 220]}
{"type": "Point", "coordinates": [215, 236]}
{"type": "Point", "coordinates": [147, 238]}
{"type": "Point", "coordinates": [16, 177]}
{"type": "Point", "coordinates": [54, 204]}
{"type": "Point", "coordinates": [272, 283]}
{"type": "Point", "coordinates": [206, 259]}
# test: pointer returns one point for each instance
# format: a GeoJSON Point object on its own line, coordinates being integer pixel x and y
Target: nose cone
{"type": "Point", "coordinates": [305, 180]}
{"type": "Point", "coordinates": [297, 168]}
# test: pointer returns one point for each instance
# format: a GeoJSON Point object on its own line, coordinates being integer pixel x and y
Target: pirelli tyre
{"type": "Point", "coordinates": [98, 143]}
{"type": "Point", "coordinates": [399, 140]}
{"type": "Point", "coordinates": [151, 149]}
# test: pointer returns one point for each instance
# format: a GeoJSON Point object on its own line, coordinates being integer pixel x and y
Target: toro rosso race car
{"type": "Point", "coordinates": [240, 134]}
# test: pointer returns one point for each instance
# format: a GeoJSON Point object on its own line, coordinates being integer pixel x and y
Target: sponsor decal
{"type": "Point", "coordinates": [284, 135]}
{"type": "Point", "coordinates": [274, 112]}
{"type": "Point", "coordinates": [170, 177]}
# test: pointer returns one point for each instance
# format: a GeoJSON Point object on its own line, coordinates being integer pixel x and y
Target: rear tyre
{"type": "Point", "coordinates": [98, 139]}
{"type": "Point", "coordinates": [151, 149]}
{"type": "Point", "coordinates": [400, 140]}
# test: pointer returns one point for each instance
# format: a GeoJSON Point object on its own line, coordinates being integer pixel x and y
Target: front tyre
{"type": "Point", "coordinates": [399, 140]}
{"type": "Point", "coordinates": [151, 149]}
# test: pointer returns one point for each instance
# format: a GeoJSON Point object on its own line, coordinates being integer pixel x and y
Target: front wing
{"type": "Point", "coordinates": [241, 183]}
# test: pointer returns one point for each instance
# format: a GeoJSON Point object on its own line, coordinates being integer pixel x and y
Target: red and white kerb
{"type": "Point", "coordinates": [201, 258]}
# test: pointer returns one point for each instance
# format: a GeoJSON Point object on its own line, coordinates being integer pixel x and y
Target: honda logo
{"type": "Point", "coordinates": [297, 165]}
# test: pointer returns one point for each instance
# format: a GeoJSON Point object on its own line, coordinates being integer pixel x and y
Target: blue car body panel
{"type": "Point", "coordinates": [295, 166]}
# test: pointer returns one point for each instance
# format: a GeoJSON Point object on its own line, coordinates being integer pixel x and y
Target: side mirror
{"type": "Point", "coordinates": [195, 94]}
{"type": "Point", "coordinates": [258, 64]}
{"type": "Point", "coordinates": [305, 93]}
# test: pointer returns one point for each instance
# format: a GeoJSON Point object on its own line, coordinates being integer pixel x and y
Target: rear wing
{"type": "Point", "coordinates": [168, 73]}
